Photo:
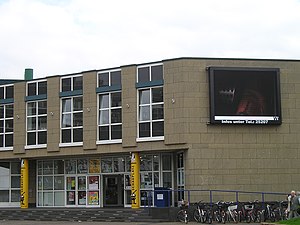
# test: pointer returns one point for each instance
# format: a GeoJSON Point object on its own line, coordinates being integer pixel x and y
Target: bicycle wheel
{"type": "Point", "coordinates": [258, 216]}
{"type": "Point", "coordinates": [197, 216]}
{"type": "Point", "coordinates": [272, 217]}
{"type": "Point", "coordinates": [182, 216]}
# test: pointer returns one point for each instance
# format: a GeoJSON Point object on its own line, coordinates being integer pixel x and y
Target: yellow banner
{"type": "Point", "coordinates": [24, 183]}
{"type": "Point", "coordinates": [135, 180]}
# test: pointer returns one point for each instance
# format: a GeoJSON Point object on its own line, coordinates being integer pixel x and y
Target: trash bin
{"type": "Point", "coordinates": [162, 197]}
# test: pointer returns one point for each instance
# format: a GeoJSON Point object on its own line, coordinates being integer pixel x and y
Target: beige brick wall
{"type": "Point", "coordinates": [252, 158]}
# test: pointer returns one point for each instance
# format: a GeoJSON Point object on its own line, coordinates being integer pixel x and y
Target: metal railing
{"type": "Point", "coordinates": [170, 198]}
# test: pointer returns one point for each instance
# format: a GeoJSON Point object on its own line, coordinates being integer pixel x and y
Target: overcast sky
{"type": "Point", "coordinates": [56, 37]}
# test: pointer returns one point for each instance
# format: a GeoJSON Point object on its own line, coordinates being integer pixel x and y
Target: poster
{"type": "Point", "coordinates": [94, 166]}
{"type": "Point", "coordinates": [93, 198]}
{"type": "Point", "coordinates": [93, 182]}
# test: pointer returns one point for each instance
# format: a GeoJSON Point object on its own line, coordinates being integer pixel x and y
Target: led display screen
{"type": "Point", "coordinates": [244, 95]}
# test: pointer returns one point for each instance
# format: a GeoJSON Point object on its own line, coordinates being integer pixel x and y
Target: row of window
{"type": "Point", "coordinates": [150, 109]}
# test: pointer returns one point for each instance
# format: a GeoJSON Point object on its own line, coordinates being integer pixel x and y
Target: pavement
{"type": "Point", "coordinates": [28, 222]}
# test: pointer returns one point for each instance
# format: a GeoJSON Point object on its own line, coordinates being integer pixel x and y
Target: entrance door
{"type": "Point", "coordinates": [113, 190]}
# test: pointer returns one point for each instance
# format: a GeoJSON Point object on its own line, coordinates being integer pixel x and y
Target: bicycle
{"type": "Point", "coordinates": [202, 213]}
{"type": "Point", "coordinates": [182, 214]}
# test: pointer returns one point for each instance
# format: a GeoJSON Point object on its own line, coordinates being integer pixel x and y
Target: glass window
{"type": "Point", "coordinates": [58, 166]}
{"type": "Point", "coordinates": [72, 120]}
{"type": "Point", "coordinates": [9, 91]}
{"type": "Point", "coordinates": [146, 163]}
{"type": "Point", "coordinates": [151, 112]}
{"type": "Point", "coordinates": [157, 72]}
{"type": "Point", "coordinates": [37, 88]}
{"type": "Point", "coordinates": [82, 166]}
{"type": "Point", "coordinates": [6, 125]}
{"type": "Point", "coordinates": [70, 166]}
{"type": "Point", "coordinates": [110, 117]}
{"type": "Point", "coordinates": [150, 73]}
{"type": "Point", "coordinates": [106, 165]}
{"type": "Point", "coordinates": [31, 89]}
{"type": "Point", "coordinates": [143, 74]}
{"type": "Point", "coordinates": [1, 92]}
{"type": "Point", "coordinates": [71, 83]}
{"type": "Point", "coordinates": [109, 78]}
{"type": "Point", "coordinates": [37, 123]}
{"type": "Point", "coordinates": [42, 87]}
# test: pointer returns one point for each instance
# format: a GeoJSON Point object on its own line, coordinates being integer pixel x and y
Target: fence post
{"type": "Point", "coordinates": [210, 197]}
{"type": "Point", "coordinates": [236, 196]}
{"type": "Point", "coordinates": [263, 199]}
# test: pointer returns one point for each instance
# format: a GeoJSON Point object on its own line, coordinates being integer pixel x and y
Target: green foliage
{"type": "Point", "coordinates": [294, 221]}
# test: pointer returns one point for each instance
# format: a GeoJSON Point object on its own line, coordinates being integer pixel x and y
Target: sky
{"type": "Point", "coordinates": [57, 37]}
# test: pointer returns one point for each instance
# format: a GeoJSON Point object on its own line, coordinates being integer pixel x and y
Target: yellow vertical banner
{"type": "Point", "coordinates": [24, 183]}
{"type": "Point", "coordinates": [135, 180]}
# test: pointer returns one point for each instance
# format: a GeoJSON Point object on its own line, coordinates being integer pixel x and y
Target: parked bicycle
{"type": "Point", "coordinates": [182, 214]}
{"type": "Point", "coordinates": [202, 213]}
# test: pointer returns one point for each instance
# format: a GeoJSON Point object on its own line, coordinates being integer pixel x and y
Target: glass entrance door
{"type": "Point", "coordinates": [113, 190]}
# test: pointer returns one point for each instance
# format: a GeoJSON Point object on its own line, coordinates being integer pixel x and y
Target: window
{"type": "Point", "coordinates": [150, 73]}
{"type": "Point", "coordinates": [109, 78]}
{"type": "Point", "coordinates": [36, 123]}
{"type": "Point", "coordinates": [72, 120]}
{"type": "Point", "coordinates": [37, 88]}
{"type": "Point", "coordinates": [151, 102]}
{"type": "Point", "coordinates": [71, 83]}
{"type": "Point", "coordinates": [151, 112]}
{"type": "Point", "coordinates": [110, 107]}
{"type": "Point", "coordinates": [6, 126]}
{"type": "Point", "coordinates": [10, 183]}
{"type": "Point", "coordinates": [110, 116]}
{"type": "Point", "coordinates": [6, 92]}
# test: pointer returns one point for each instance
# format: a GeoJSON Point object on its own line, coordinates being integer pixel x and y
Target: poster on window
{"type": "Point", "coordinates": [71, 183]}
{"type": "Point", "coordinates": [93, 198]}
{"type": "Point", "coordinates": [70, 197]}
{"type": "Point", "coordinates": [93, 182]}
{"type": "Point", "coordinates": [94, 165]}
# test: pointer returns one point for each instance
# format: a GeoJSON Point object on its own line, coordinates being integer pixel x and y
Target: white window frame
{"type": "Point", "coordinates": [110, 124]}
{"type": "Point", "coordinates": [109, 76]}
{"type": "Point", "coordinates": [4, 89]}
{"type": "Point", "coordinates": [72, 81]}
{"type": "Point", "coordinates": [72, 143]}
{"type": "Point", "coordinates": [36, 87]}
{"type": "Point", "coordinates": [150, 138]}
{"type": "Point", "coordinates": [36, 130]}
{"type": "Point", "coordinates": [151, 121]}
{"type": "Point", "coordinates": [4, 133]}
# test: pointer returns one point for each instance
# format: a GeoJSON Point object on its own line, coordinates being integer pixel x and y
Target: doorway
{"type": "Point", "coordinates": [113, 190]}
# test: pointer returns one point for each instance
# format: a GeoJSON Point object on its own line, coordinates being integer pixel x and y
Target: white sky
{"type": "Point", "coordinates": [69, 36]}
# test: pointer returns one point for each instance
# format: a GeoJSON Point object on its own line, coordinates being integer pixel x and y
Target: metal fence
{"type": "Point", "coordinates": [170, 198]}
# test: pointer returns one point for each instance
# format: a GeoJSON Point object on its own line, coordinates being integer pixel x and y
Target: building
{"type": "Point", "coordinates": [196, 123]}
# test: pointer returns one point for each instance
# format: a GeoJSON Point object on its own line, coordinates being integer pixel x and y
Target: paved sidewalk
{"type": "Point", "coordinates": [27, 222]}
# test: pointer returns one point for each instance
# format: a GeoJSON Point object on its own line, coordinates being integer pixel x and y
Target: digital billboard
{"type": "Point", "coordinates": [244, 95]}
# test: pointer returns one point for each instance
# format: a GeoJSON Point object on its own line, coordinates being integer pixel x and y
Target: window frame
{"type": "Point", "coordinates": [109, 77]}
{"type": "Point", "coordinates": [150, 84]}
{"type": "Point", "coordinates": [151, 121]}
{"type": "Point", "coordinates": [72, 112]}
{"type": "Point", "coordinates": [36, 87]}
{"type": "Point", "coordinates": [5, 86]}
{"type": "Point", "coordinates": [36, 130]}
{"type": "Point", "coordinates": [4, 133]}
{"type": "Point", "coordinates": [72, 82]}
{"type": "Point", "coordinates": [109, 124]}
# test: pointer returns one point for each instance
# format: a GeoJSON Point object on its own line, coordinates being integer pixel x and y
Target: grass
{"type": "Point", "coordinates": [295, 221]}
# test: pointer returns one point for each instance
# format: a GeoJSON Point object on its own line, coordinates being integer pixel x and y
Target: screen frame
{"type": "Point", "coordinates": [244, 119]}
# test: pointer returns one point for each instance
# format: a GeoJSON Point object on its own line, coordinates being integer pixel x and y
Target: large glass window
{"type": "Point", "coordinates": [6, 126]}
{"type": "Point", "coordinates": [10, 183]}
{"type": "Point", "coordinates": [51, 183]}
{"type": "Point", "coordinates": [36, 123]}
{"type": "Point", "coordinates": [110, 116]}
{"type": "Point", "coordinates": [151, 113]}
{"type": "Point", "coordinates": [72, 120]}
